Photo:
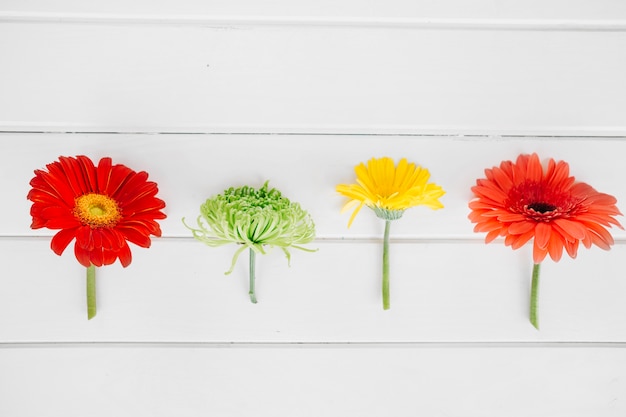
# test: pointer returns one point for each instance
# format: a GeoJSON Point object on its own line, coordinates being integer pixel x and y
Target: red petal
{"type": "Point", "coordinates": [50, 212]}
{"type": "Point", "coordinates": [88, 171]}
{"type": "Point", "coordinates": [103, 174]}
{"type": "Point", "coordinates": [95, 255]}
{"type": "Point", "coordinates": [73, 175]}
{"type": "Point", "coordinates": [108, 256]}
{"type": "Point", "coordinates": [83, 238]}
{"type": "Point", "coordinates": [135, 187]}
{"type": "Point", "coordinates": [37, 223]}
{"type": "Point", "coordinates": [66, 222]}
{"type": "Point", "coordinates": [56, 184]}
{"type": "Point", "coordinates": [125, 255]}
{"type": "Point", "coordinates": [96, 238]}
{"type": "Point", "coordinates": [60, 241]}
{"type": "Point", "coordinates": [133, 235]}
{"type": "Point", "coordinates": [82, 255]}
{"type": "Point", "coordinates": [113, 176]}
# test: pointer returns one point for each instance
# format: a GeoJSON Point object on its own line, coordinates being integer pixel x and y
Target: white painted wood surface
{"type": "Point", "coordinates": [581, 11]}
{"type": "Point", "coordinates": [229, 77]}
{"type": "Point", "coordinates": [205, 95]}
{"type": "Point", "coordinates": [312, 381]}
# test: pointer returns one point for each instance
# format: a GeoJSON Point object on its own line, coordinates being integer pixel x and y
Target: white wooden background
{"type": "Point", "coordinates": [207, 95]}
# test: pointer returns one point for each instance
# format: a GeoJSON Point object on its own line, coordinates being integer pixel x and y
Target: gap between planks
{"type": "Point", "coordinates": [235, 21]}
{"type": "Point", "coordinates": [311, 345]}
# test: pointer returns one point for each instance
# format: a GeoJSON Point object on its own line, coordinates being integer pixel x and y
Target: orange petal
{"type": "Point", "coordinates": [542, 234]}
{"type": "Point", "coordinates": [574, 229]}
{"type": "Point", "coordinates": [519, 228]}
{"type": "Point", "coordinates": [555, 247]}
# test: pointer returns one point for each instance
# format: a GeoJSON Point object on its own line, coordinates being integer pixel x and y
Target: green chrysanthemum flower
{"type": "Point", "coordinates": [253, 218]}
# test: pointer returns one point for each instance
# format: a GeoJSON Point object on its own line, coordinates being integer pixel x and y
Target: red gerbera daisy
{"type": "Point", "coordinates": [520, 201]}
{"type": "Point", "coordinates": [101, 207]}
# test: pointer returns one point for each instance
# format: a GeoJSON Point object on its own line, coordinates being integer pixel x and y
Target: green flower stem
{"type": "Point", "coordinates": [91, 292]}
{"type": "Point", "coordinates": [252, 265]}
{"type": "Point", "coordinates": [534, 295]}
{"type": "Point", "coordinates": [386, 266]}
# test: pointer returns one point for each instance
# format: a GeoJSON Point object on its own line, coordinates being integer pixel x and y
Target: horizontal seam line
{"type": "Point", "coordinates": [480, 23]}
{"type": "Point", "coordinates": [426, 239]}
{"type": "Point", "coordinates": [426, 344]}
{"type": "Point", "coordinates": [299, 133]}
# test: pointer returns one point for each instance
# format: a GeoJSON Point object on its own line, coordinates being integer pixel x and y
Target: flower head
{"type": "Point", "coordinates": [389, 190]}
{"type": "Point", "coordinates": [253, 218]}
{"type": "Point", "coordinates": [101, 207]}
{"type": "Point", "coordinates": [521, 201]}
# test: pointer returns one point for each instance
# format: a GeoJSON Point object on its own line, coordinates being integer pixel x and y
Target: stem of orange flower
{"type": "Point", "coordinates": [534, 295]}
{"type": "Point", "coordinates": [252, 266]}
{"type": "Point", "coordinates": [386, 266]}
{"type": "Point", "coordinates": [91, 292]}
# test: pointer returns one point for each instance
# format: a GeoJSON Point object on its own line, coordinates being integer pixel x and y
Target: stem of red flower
{"type": "Point", "coordinates": [91, 292]}
{"type": "Point", "coordinates": [534, 295]}
{"type": "Point", "coordinates": [252, 265]}
{"type": "Point", "coordinates": [386, 266]}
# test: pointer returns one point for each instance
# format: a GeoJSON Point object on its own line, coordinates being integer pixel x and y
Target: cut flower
{"type": "Point", "coordinates": [100, 207]}
{"type": "Point", "coordinates": [253, 219]}
{"type": "Point", "coordinates": [389, 190]}
{"type": "Point", "coordinates": [521, 201]}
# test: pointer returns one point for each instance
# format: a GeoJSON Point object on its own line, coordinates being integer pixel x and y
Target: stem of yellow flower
{"type": "Point", "coordinates": [91, 292]}
{"type": "Point", "coordinates": [252, 265]}
{"type": "Point", "coordinates": [386, 266]}
{"type": "Point", "coordinates": [534, 295]}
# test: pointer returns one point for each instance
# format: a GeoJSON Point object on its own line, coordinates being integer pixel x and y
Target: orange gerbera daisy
{"type": "Point", "coordinates": [521, 201]}
{"type": "Point", "coordinates": [100, 207]}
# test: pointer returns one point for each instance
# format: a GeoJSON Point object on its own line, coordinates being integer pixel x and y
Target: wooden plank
{"type": "Point", "coordinates": [399, 9]}
{"type": "Point", "coordinates": [440, 292]}
{"type": "Point", "coordinates": [310, 79]}
{"type": "Point", "coordinates": [439, 382]}
{"type": "Point", "coordinates": [191, 168]}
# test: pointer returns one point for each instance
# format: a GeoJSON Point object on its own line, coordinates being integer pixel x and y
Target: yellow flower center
{"type": "Point", "coordinates": [97, 210]}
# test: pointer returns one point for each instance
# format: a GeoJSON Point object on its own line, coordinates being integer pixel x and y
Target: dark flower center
{"type": "Point", "coordinates": [541, 207]}
{"type": "Point", "coordinates": [539, 202]}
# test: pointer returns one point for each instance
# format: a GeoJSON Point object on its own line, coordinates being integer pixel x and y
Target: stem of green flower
{"type": "Point", "coordinates": [386, 266]}
{"type": "Point", "coordinates": [534, 295]}
{"type": "Point", "coordinates": [91, 292]}
{"type": "Point", "coordinates": [252, 265]}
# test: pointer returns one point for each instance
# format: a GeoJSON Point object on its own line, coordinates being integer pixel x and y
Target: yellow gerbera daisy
{"type": "Point", "coordinates": [389, 190]}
